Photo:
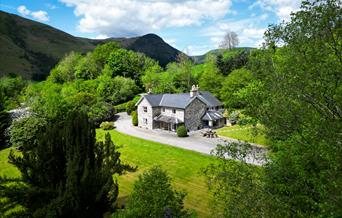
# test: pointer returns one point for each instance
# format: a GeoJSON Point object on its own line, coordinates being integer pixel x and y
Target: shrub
{"type": "Point", "coordinates": [24, 132]}
{"type": "Point", "coordinates": [181, 131]}
{"type": "Point", "coordinates": [234, 117]}
{"type": "Point", "coordinates": [135, 118]}
{"type": "Point", "coordinates": [154, 196]}
{"type": "Point", "coordinates": [130, 106]}
{"type": "Point", "coordinates": [120, 107]}
{"type": "Point", "coordinates": [107, 125]}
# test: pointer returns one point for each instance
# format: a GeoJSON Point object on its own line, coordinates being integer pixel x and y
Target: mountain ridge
{"type": "Point", "coordinates": [31, 49]}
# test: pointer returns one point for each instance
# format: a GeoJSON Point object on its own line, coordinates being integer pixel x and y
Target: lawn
{"type": "Point", "coordinates": [7, 169]}
{"type": "Point", "coordinates": [244, 133]}
{"type": "Point", "coordinates": [183, 166]}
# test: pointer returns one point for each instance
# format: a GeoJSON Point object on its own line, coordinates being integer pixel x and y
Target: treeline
{"type": "Point", "coordinates": [296, 94]}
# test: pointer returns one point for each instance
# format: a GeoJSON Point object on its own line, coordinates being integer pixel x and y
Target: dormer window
{"type": "Point", "coordinates": [145, 109]}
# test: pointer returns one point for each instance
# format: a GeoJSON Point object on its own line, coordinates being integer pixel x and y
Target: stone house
{"type": "Point", "coordinates": [194, 110]}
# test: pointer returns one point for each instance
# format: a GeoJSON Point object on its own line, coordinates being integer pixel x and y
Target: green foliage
{"type": "Point", "coordinates": [64, 71]}
{"type": "Point", "coordinates": [153, 196]}
{"type": "Point", "coordinates": [65, 174]}
{"type": "Point", "coordinates": [298, 99]}
{"type": "Point", "coordinates": [237, 187]}
{"type": "Point", "coordinates": [107, 125]}
{"type": "Point", "coordinates": [234, 117]}
{"type": "Point", "coordinates": [116, 90]}
{"type": "Point", "coordinates": [182, 70]}
{"type": "Point", "coordinates": [233, 85]}
{"type": "Point", "coordinates": [226, 64]}
{"type": "Point", "coordinates": [4, 124]}
{"type": "Point", "coordinates": [130, 106]}
{"type": "Point", "coordinates": [158, 81]}
{"type": "Point", "coordinates": [134, 118]}
{"type": "Point", "coordinates": [87, 68]}
{"type": "Point", "coordinates": [181, 131]}
{"type": "Point", "coordinates": [10, 91]}
{"type": "Point", "coordinates": [102, 52]}
{"type": "Point", "coordinates": [24, 131]}
{"type": "Point", "coordinates": [129, 64]}
{"type": "Point", "coordinates": [211, 79]}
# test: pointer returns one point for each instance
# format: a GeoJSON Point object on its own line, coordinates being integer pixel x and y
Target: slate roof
{"type": "Point", "coordinates": [212, 115]}
{"type": "Point", "coordinates": [180, 100]}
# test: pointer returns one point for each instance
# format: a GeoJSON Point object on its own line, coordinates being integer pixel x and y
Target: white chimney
{"type": "Point", "coordinates": [194, 91]}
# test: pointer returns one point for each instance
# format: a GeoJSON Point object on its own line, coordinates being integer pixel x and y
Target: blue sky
{"type": "Point", "coordinates": [192, 26]}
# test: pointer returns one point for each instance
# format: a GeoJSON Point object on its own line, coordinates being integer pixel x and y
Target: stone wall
{"type": "Point", "coordinates": [193, 114]}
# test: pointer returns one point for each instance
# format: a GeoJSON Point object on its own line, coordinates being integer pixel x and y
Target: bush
{"type": "Point", "coordinates": [25, 132]}
{"type": "Point", "coordinates": [154, 196]}
{"type": "Point", "coordinates": [135, 118]}
{"type": "Point", "coordinates": [107, 125]}
{"type": "Point", "coordinates": [130, 106]}
{"type": "Point", "coordinates": [234, 117]}
{"type": "Point", "coordinates": [181, 131]}
{"type": "Point", "coordinates": [120, 108]}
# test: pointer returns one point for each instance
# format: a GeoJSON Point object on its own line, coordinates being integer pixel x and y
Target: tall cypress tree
{"type": "Point", "coordinates": [68, 174]}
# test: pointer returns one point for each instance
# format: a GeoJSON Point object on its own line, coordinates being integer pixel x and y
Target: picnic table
{"type": "Point", "coordinates": [209, 134]}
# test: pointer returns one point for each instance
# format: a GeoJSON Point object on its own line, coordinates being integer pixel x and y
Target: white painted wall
{"type": "Point", "coordinates": [145, 115]}
{"type": "Point", "coordinates": [168, 112]}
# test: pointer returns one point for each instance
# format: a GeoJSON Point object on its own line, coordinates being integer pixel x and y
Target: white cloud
{"type": "Point", "coordinates": [101, 36]}
{"type": "Point", "coordinates": [247, 29]}
{"type": "Point", "coordinates": [194, 50]}
{"type": "Point", "coordinates": [50, 6]}
{"type": "Point", "coordinates": [23, 10]}
{"type": "Point", "coordinates": [282, 8]}
{"type": "Point", "coordinates": [38, 15]}
{"type": "Point", "coordinates": [133, 17]}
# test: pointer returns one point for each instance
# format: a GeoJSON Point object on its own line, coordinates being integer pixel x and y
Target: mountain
{"type": "Point", "coordinates": [31, 49]}
{"type": "Point", "coordinates": [199, 59]}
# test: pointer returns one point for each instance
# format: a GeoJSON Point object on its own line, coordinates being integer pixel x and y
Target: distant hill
{"type": "Point", "coordinates": [199, 59]}
{"type": "Point", "coordinates": [31, 49]}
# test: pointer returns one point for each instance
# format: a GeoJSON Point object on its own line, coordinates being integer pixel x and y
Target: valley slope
{"type": "Point", "coordinates": [31, 49]}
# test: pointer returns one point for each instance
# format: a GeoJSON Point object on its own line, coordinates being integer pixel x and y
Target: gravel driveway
{"type": "Point", "coordinates": [194, 142]}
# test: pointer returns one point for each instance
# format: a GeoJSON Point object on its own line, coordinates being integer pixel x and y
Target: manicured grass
{"type": "Point", "coordinates": [182, 165]}
{"type": "Point", "coordinates": [7, 169]}
{"type": "Point", "coordinates": [244, 133]}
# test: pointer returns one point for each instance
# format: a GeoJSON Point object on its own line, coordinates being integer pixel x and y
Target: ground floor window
{"type": "Point", "coordinates": [145, 121]}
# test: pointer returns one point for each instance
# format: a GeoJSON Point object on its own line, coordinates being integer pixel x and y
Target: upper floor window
{"type": "Point", "coordinates": [174, 111]}
{"type": "Point", "coordinates": [163, 109]}
{"type": "Point", "coordinates": [145, 109]}
{"type": "Point", "coordinates": [145, 121]}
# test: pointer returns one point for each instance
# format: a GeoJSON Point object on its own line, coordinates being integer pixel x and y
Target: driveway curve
{"type": "Point", "coordinates": [194, 142]}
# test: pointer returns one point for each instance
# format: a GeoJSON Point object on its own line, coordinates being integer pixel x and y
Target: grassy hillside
{"type": "Point", "coordinates": [31, 49]}
{"type": "Point", "coordinates": [225, 53]}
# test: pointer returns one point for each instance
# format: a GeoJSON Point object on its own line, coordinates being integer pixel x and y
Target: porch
{"type": "Point", "coordinates": [166, 123]}
{"type": "Point", "coordinates": [213, 120]}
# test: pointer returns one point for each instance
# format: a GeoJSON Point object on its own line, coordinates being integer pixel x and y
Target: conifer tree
{"type": "Point", "coordinates": [67, 174]}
